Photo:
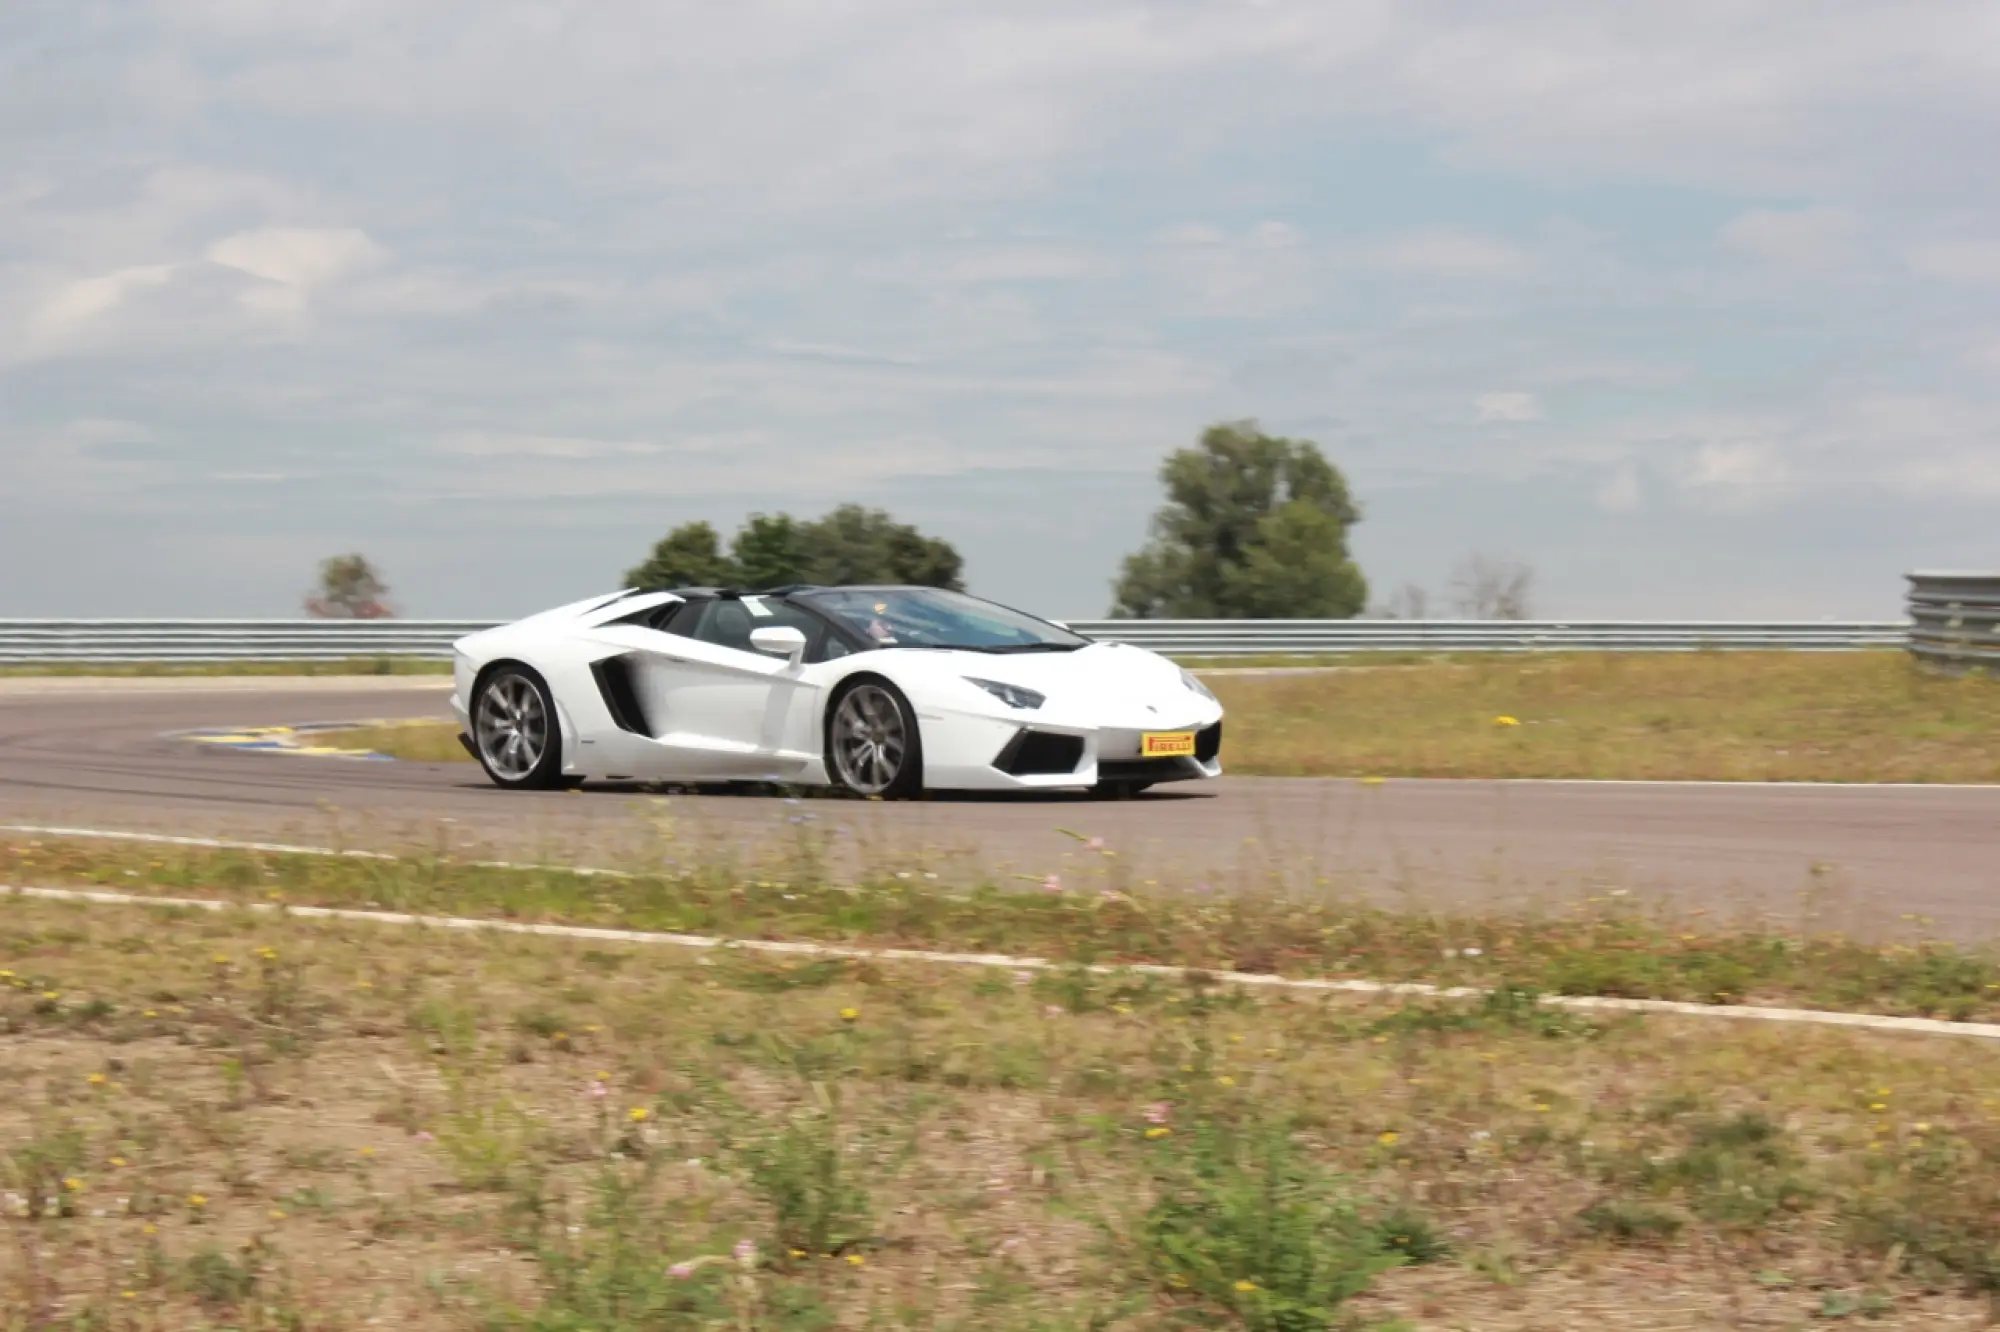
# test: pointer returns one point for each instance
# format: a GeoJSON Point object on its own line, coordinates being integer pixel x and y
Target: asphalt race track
{"type": "Point", "coordinates": [93, 753]}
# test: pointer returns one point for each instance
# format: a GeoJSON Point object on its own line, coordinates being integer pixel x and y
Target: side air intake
{"type": "Point", "coordinates": [621, 696]}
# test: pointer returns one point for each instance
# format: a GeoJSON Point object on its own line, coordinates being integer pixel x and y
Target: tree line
{"type": "Point", "coordinates": [1254, 526]}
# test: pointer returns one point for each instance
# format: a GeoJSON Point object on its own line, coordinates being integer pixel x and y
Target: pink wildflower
{"type": "Point", "coordinates": [1159, 1112]}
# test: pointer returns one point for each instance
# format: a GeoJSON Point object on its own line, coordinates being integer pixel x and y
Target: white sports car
{"type": "Point", "coordinates": [881, 691]}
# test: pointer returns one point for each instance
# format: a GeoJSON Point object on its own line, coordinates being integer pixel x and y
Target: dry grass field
{"type": "Point", "coordinates": [251, 1121]}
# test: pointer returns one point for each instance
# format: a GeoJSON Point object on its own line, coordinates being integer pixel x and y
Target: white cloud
{"type": "Point", "coordinates": [1795, 238]}
{"type": "Point", "coordinates": [79, 302]}
{"type": "Point", "coordinates": [1621, 493]}
{"type": "Point", "coordinates": [1957, 260]}
{"type": "Point", "coordinates": [295, 259]}
{"type": "Point", "coordinates": [1736, 464]}
{"type": "Point", "coordinates": [1452, 254]}
{"type": "Point", "coordinates": [1507, 407]}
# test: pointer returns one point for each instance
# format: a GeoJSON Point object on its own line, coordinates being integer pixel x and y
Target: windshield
{"type": "Point", "coordinates": [929, 617]}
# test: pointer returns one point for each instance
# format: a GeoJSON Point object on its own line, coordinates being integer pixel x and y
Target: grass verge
{"type": "Point", "coordinates": [1606, 945]}
{"type": "Point", "coordinates": [253, 1122]}
{"type": "Point", "coordinates": [1725, 716]}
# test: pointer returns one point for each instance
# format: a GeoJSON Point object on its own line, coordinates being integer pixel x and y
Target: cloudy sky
{"type": "Point", "coordinates": [1694, 306]}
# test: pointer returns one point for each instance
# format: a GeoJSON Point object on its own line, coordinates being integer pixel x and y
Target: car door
{"type": "Point", "coordinates": [713, 706]}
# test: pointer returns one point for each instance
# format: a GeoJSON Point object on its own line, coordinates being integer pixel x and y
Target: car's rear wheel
{"type": "Point", "coordinates": [873, 747]}
{"type": "Point", "coordinates": [514, 730]}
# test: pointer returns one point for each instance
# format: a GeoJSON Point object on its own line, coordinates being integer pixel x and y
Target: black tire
{"type": "Point", "coordinates": [873, 746]}
{"type": "Point", "coordinates": [515, 734]}
{"type": "Point", "coordinates": [1116, 790]}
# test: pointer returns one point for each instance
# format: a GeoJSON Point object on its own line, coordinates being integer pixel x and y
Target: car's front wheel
{"type": "Point", "coordinates": [872, 744]}
{"type": "Point", "coordinates": [514, 730]}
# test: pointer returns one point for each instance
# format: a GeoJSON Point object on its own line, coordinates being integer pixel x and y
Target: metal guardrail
{"type": "Point", "coordinates": [44, 641]}
{"type": "Point", "coordinates": [1266, 638]}
{"type": "Point", "coordinates": [1955, 618]}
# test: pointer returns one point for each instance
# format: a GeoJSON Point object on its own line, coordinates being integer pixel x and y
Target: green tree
{"type": "Point", "coordinates": [854, 544]}
{"type": "Point", "coordinates": [349, 589]}
{"type": "Point", "coordinates": [1255, 527]}
{"type": "Point", "coordinates": [689, 556]}
{"type": "Point", "coordinates": [769, 551]}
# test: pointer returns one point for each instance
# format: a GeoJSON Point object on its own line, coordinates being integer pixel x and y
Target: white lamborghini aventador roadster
{"type": "Point", "coordinates": [882, 691]}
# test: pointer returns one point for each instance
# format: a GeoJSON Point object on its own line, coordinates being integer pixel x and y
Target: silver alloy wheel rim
{"type": "Point", "coordinates": [869, 740]}
{"type": "Point", "coordinates": [513, 727]}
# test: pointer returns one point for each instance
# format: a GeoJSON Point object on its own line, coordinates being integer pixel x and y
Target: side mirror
{"type": "Point", "coordinates": [780, 640]}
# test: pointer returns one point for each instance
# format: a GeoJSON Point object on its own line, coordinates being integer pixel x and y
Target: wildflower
{"type": "Point", "coordinates": [197, 1200]}
{"type": "Point", "coordinates": [798, 1253]}
{"type": "Point", "coordinates": [849, 1014]}
{"type": "Point", "coordinates": [97, 1079]}
{"type": "Point", "coordinates": [1387, 1139]}
{"type": "Point", "coordinates": [596, 1091]}
{"type": "Point", "coordinates": [268, 954]}
{"type": "Point", "coordinates": [368, 1151]}
{"type": "Point", "coordinates": [1052, 884]}
{"type": "Point", "coordinates": [127, 1295]}
{"type": "Point", "coordinates": [118, 1161]}
{"type": "Point", "coordinates": [149, 1013]}
{"type": "Point", "coordinates": [1878, 1107]}
{"type": "Point", "coordinates": [746, 1252]}
{"type": "Point", "coordinates": [1923, 1128]}
{"type": "Point", "coordinates": [1176, 1280]}
{"type": "Point", "coordinates": [277, 1214]}
{"type": "Point", "coordinates": [51, 994]}
{"type": "Point", "coordinates": [681, 1271]}
{"type": "Point", "coordinates": [637, 1114]}
{"type": "Point", "coordinates": [1225, 1081]}
{"type": "Point", "coordinates": [1470, 952]}
{"type": "Point", "coordinates": [73, 1184]}
{"type": "Point", "coordinates": [1245, 1287]}
{"type": "Point", "coordinates": [1052, 1010]}
{"type": "Point", "coordinates": [1157, 1132]}
{"type": "Point", "coordinates": [855, 1260]}
{"type": "Point", "coordinates": [1023, 977]}
{"type": "Point", "coordinates": [1094, 844]}
{"type": "Point", "coordinates": [1506, 721]}
{"type": "Point", "coordinates": [220, 959]}
{"type": "Point", "coordinates": [1159, 1112]}
{"type": "Point", "coordinates": [423, 1135]}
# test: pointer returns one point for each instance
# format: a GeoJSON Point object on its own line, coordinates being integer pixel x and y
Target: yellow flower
{"type": "Point", "coordinates": [268, 954]}
{"type": "Point", "coordinates": [1506, 721]}
{"type": "Point", "coordinates": [855, 1260]}
{"type": "Point", "coordinates": [849, 1014]}
{"type": "Point", "coordinates": [149, 1013]}
{"type": "Point", "coordinates": [97, 1079]}
{"type": "Point", "coordinates": [1387, 1139]}
{"type": "Point", "coordinates": [221, 959]}
{"type": "Point", "coordinates": [1225, 1081]}
{"type": "Point", "coordinates": [118, 1161]}
{"type": "Point", "coordinates": [638, 1114]}
{"type": "Point", "coordinates": [1878, 1107]}
{"type": "Point", "coordinates": [798, 1253]}
{"type": "Point", "coordinates": [51, 994]}
{"type": "Point", "coordinates": [277, 1214]}
{"type": "Point", "coordinates": [127, 1295]}
{"type": "Point", "coordinates": [1158, 1131]}
{"type": "Point", "coordinates": [1245, 1287]}
{"type": "Point", "coordinates": [151, 1229]}
{"type": "Point", "coordinates": [73, 1184]}
{"type": "Point", "coordinates": [197, 1200]}
{"type": "Point", "coordinates": [368, 1151]}
{"type": "Point", "coordinates": [1176, 1280]}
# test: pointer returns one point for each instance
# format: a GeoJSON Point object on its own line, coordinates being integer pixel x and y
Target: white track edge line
{"type": "Point", "coordinates": [1806, 1016]}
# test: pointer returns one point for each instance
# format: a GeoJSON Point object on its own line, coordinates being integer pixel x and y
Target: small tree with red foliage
{"type": "Point", "coordinates": [349, 589]}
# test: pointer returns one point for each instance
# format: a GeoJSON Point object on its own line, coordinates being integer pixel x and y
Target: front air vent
{"type": "Point", "coordinates": [1208, 742]}
{"type": "Point", "coordinates": [621, 696]}
{"type": "Point", "coordinates": [1040, 754]}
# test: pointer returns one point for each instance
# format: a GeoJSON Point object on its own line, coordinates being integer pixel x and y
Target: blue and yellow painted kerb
{"type": "Point", "coordinates": [297, 739]}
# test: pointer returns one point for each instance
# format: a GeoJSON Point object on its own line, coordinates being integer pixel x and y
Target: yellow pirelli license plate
{"type": "Point", "coordinates": [1166, 744]}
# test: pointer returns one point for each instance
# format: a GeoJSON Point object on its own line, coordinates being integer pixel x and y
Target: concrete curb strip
{"type": "Point", "coordinates": [1812, 1017]}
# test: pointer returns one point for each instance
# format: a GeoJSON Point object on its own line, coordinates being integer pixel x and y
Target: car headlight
{"type": "Point", "coordinates": [1012, 695]}
{"type": "Point", "coordinates": [1193, 682]}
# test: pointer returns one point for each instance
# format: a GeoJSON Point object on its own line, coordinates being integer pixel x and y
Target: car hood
{"type": "Point", "coordinates": [1102, 673]}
